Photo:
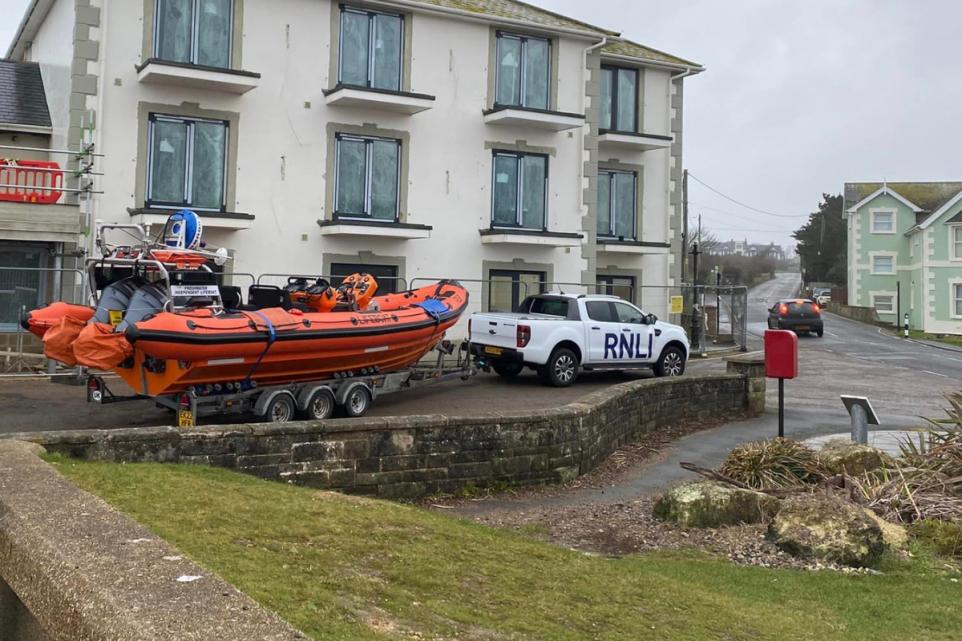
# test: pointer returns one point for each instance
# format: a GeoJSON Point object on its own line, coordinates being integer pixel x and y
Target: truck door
{"type": "Point", "coordinates": [636, 338]}
{"type": "Point", "coordinates": [603, 332]}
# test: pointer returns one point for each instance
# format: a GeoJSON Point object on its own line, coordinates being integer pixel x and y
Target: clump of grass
{"type": "Point", "coordinates": [773, 464]}
{"type": "Point", "coordinates": [945, 537]}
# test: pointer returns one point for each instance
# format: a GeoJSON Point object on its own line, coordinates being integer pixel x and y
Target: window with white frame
{"type": "Point", "coordinates": [187, 162]}
{"type": "Point", "coordinates": [519, 191]}
{"type": "Point", "coordinates": [957, 300]}
{"type": "Point", "coordinates": [883, 264]}
{"type": "Point", "coordinates": [371, 46]}
{"type": "Point", "coordinates": [194, 31]}
{"type": "Point", "coordinates": [616, 204]}
{"type": "Point", "coordinates": [883, 222]}
{"type": "Point", "coordinates": [366, 173]}
{"type": "Point", "coordinates": [523, 71]}
{"type": "Point", "coordinates": [955, 239]}
{"type": "Point", "coordinates": [883, 303]}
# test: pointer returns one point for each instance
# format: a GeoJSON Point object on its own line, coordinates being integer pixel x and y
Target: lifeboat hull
{"type": "Point", "coordinates": [273, 346]}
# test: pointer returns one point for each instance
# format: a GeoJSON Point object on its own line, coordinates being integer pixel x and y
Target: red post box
{"type": "Point", "coordinates": [781, 353]}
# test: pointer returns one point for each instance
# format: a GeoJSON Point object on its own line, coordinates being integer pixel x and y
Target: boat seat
{"type": "Point", "coordinates": [261, 296]}
{"type": "Point", "coordinates": [231, 296]}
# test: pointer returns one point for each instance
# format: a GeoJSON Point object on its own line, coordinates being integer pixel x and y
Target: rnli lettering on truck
{"type": "Point", "coordinates": [626, 346]}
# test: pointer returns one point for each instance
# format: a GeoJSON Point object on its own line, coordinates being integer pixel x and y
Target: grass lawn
{"type": "Point", "coordinates": [339, 567]}
{"type": "Point", "coordinates": [949, 339]}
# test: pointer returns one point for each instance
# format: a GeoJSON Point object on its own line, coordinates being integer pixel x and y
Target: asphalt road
{"type": "Point", "coordinates": [853, 341]}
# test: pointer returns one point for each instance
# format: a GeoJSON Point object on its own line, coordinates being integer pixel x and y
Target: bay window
{"type": "Point", "coordinates": [619, 99]}
{"type": "Point", "coordinates": [194, 31]}
{"type": "Point", "coordinates": [616, 204]}
{"type": "Point", "coordinates": [366, 177]}
{"type": "Point", "coordinates": [519, 190]}
{"type": "Point", "coordinates": [186, 162]}
{"type": "Point", "coordinates": [371, 46]}
{"type": "Point", "coordinates": [523, 71]}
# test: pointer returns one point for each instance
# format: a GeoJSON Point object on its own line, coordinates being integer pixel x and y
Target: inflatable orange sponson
{"type": "Point", "coordinates": [39, 320]}
{"type": "Point", "coordinates": [171, 351]}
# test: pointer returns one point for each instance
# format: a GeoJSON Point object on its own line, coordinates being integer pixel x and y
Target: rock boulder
{"type": "Point", "coordinates": [839, 456]}
{"type": "Point", "coordinates": [827, 528]}
{"type": "Point", "coordinates": [713, 504]}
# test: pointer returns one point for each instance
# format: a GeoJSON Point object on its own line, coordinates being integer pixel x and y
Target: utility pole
{"type": "Point", "coordinates": [684, 224]}
{"type": "Point", "coordinates": [695, 311]}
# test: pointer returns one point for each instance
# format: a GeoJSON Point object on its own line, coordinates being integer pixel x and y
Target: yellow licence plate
{"type": "Point", "coordinates": [494, 351]}
{"type": "Point", "coordinates": [185, 418]}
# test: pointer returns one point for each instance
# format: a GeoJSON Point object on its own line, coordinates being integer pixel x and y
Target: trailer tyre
{"type": "Point", "coordinates": [280, 409]}
{"type": "Point", "coordinates": [320, 406]}
{"type": "Point", "coordinates": [357, 401]}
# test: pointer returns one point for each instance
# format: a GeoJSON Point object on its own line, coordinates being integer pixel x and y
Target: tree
{"type": "Point", "coordinates": [823, 243]}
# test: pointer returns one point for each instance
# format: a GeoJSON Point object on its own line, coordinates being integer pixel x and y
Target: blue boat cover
{"type": "Point", "coordinates": [433, 307]}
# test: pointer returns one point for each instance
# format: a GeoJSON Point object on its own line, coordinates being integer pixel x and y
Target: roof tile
{"type": "Point", "coordinates": [927, 195]}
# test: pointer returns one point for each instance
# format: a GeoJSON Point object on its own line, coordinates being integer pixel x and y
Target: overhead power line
{"type": "Point", "coordinates": [740, 203]}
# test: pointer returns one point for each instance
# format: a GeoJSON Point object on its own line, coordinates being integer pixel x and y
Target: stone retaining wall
{"type": "Point", "coordinates": [406, 457]}
{"type": "Point", "coordinates": [863, 314]}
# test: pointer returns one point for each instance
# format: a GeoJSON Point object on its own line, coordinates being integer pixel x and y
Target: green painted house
{"type": "Point", "coordinates": [905, 252]}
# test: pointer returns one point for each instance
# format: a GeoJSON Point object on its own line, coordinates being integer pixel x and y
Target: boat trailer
{"type": "Point", "coordinates": [346, 395]}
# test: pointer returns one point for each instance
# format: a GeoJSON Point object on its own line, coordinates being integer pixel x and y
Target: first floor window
{"type": "Point", "coordinates": [385, 275]}
{"type": "Point", "coordinates": [957, 299]}
{"type": "Point", "coordinates": [507, 288]}
{"type": "Point", "coordinates": [620, 286]}
{"type": "Point", "coordinates": [883, 222]}
{"type": "Point", "coordinates": [883, 264]}
{"type": "Point", "coordinates": [187, 160]}
{"type": "Point", "coordinates": [523, 71]}
{"type": "Point", "coordinates": [616, 204]}
{"type": "Point", "coordinates": [366, 177]}
{"type": "Point", "coordinates": [956, 237]}
{"type": "Point", "coordinates": [370, 51]}
{"type": "Point", "coordinates": [884, 304]}
{"type": "Point", "coordinates": [21, 288]}
{"type": "Point", "coordinates": [520, 187]}
{"type": "Point", "coordinates": [194, 31]}
{"type": "Point", "coordinates": [619, 99]}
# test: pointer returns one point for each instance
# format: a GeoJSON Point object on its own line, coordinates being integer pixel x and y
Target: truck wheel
{"type": "Point", "coordinates": [357, 401]}
{"type": "Point", "coordinates": [507, 370]}
{"type": "Point", "coordinates": [670, 363]}
{"type": "Point", "coordinates": [819, 332]}
{"type": "Point", "coordinates": [280, 409]}
{"type": "Point", "coordinates": [320, 406]}
{"type": "Point", "coordinates": [561, 370]}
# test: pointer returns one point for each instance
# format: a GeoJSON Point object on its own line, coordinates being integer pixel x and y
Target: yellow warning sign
{"type": "Point", "coordinates": [116, 316]}
{"type": "Point", "coordinates": [185, 419]}
{"type": "Point", "coordinates": [677, 304]}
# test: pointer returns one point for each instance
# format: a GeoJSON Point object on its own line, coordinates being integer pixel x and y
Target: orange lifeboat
{"type": "Point", "coordinates": [174, 350]}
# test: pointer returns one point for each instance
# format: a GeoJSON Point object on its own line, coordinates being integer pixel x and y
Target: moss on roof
{"type": "Point", "coordinates": [927, 195]}
{"type": "Point", "coordinates": [622, 47]}
{"type": "Point", "coordinates": [516, 10]}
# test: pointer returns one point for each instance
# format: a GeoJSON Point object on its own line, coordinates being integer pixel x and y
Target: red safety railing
{"type": "Point", "coordinates": [30, 181]}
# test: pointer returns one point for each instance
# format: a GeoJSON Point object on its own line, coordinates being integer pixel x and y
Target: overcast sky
{"type": "Point", "coordinates": [798, 97]}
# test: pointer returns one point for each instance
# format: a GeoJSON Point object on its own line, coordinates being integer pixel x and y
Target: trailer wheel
{"type": "Point", "coordinates": [280, 409]}
{"type": "Point", "coordinates": [320, 406]}
{"type": "Point", "coordinates": [357, 401]}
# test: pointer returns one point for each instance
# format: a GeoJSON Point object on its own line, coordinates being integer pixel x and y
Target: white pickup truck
{"type": "Point", "coordinates": [560, 334]}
